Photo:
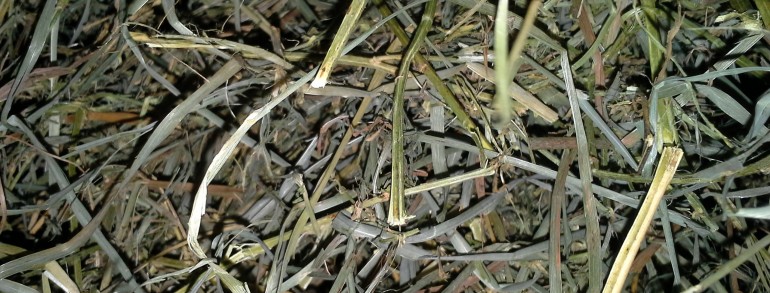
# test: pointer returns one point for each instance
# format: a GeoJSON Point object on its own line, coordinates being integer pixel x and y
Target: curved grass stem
{"type": "Point", "coordinates": [396, 212]}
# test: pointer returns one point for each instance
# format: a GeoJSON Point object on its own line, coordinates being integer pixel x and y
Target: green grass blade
{"type": "Point", "coordinates": [764, 11]}
{"type": "Point", "coordinates": [502, 74]}
{"type": "Point", "coordinates": [654, 48]}
{"type": "Point", "coordinates": [396, 211]}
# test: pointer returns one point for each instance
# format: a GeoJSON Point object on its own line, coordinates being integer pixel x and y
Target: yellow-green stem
{"type": "Point", "coordinates": [396, 212]}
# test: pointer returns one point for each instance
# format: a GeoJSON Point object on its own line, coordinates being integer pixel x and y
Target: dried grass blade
{"type": "Point", "coordinates": [592, 114]}
{"type": "Point", "coordinates": [3, 207]}
{"type": "Point", "coordinates": [50, 12]}
{"type": "Point", "coordinates": [256, 115]}
{"type": "Point", "coordinates": [571, 181]}
{"type": "Point", "coordinates": [135, 6]}
{"type": "Point", "coordinates": [557, 200]}
{"type": "Point", "coordinates": [730, 266]}
{"type": "Point", "coordinates": [199, 203]}
{"type": "Point", "coordinates": [521, 39]}
{"type": "Point", "coordinates": [518, 93]}
{"type": "Point", "coordinates": [55, 198]}
{"type": "Point", "coordinates": [436, 81]}
{"type": "Point", "coordinates": [755, 213]}
{"type": "Point", "coordinates": [173, 20]}
{"type": "Point", "coordinates": [138, 54]}
{"type": "Point", "coordinates": [669, 161]}
{"type": "Point", "coordinates": [340, 38]}
{"type": "Point", "coordinates": [187, 42]}
{"type": "Point", "coordinates": [35, 76]}
{"type": "Point", "coordinates": [257, 250]}
{"type": "Point", "coordinates": [744, 45]}
{"type": "Point", "coordinates": [57, 274]}
{"type": "Point", "coordinates": [309, 205]}
{"type": "Point", "coordinates": [90, 225]}
{"type": "Point", "coordinates": [160, 133]}
{"type": "Point", "coordinates": [617, 144]}
{"type": "Point", "coordinates": [664, 88]}
{"type": "Point", "coordinates": [11, 286]}
{"type": "Point", "coordinates": [483, 172]}
{"type": "Point", "coordinates": [606, 27]}
{"type": "Point", "coordinates": [188, 270]}
{"type": "Point", "coordinates": [481, 272]}
{"type": "Point", "coordinates": [761, 114]}
{"type": "Point", "coordinates": [489, 9]}
{"type": "Point", "coordinates": [725, 102]}
{"type": "Point", "coordinates": [107, 140]}
{"type": "Point", "coordinates": [438, 156]}
{"type": "Point", "coordinates": [305, 9]}
{"type": "Point", "coordinates": [231, 283]}
{"type": "Point", "coordinates": [593, 236]}
{"type": "Point", "coordinates": [342, 275]}
{"type": "Point", "coordinates": [485, 205]}
{"type": "Point", "coordinates": [670, 246]}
